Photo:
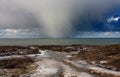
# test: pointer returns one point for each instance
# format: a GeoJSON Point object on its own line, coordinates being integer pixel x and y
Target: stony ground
{"type": "Point", "coordinates": [51, 61]}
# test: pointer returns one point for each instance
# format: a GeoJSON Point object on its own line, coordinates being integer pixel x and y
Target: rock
{"type": "Point", "coordinates": [103, 62]}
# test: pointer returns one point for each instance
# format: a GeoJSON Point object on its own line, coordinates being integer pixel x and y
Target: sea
{"type": "Point", "coordinates": [58, 41]}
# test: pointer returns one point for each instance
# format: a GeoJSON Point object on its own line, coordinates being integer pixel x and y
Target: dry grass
{"type": "Point", "coordinates": [110, 54]}
{"type": "Point", "coordinates": [18, 66]}
{"type": "Point", "coordinates": [17, 50]}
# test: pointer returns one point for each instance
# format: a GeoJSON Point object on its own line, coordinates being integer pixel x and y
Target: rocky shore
{"type": "Point", "coordinates": [60, 61]}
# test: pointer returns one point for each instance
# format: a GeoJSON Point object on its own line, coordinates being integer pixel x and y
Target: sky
{"type": "Point", "coordinates": [59, 18]}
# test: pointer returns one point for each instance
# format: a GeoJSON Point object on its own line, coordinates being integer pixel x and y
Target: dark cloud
{"type": "Point", "coordinates": [95, 15]}
{"type": "Point", "coordinates": [56, 18]}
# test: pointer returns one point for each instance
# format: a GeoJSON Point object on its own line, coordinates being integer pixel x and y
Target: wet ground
{"type": "Point", "coordinates": [49, 62]}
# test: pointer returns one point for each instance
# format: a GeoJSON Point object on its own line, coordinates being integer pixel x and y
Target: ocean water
{"type": "Point", "coordinates": [34, 41]}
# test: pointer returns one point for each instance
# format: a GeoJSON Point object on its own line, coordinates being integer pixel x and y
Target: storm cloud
{"type": "Point", "coordinates": [55, 18]}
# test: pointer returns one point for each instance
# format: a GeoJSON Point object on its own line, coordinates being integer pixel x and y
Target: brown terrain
{"type": "Point", "coordinates": [103, 56]}
{"type": "Point", "coordinates": [20, 61]}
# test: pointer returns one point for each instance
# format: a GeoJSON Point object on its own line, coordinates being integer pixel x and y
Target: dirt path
{"type": "Point", "coordinates": [54, 66]}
